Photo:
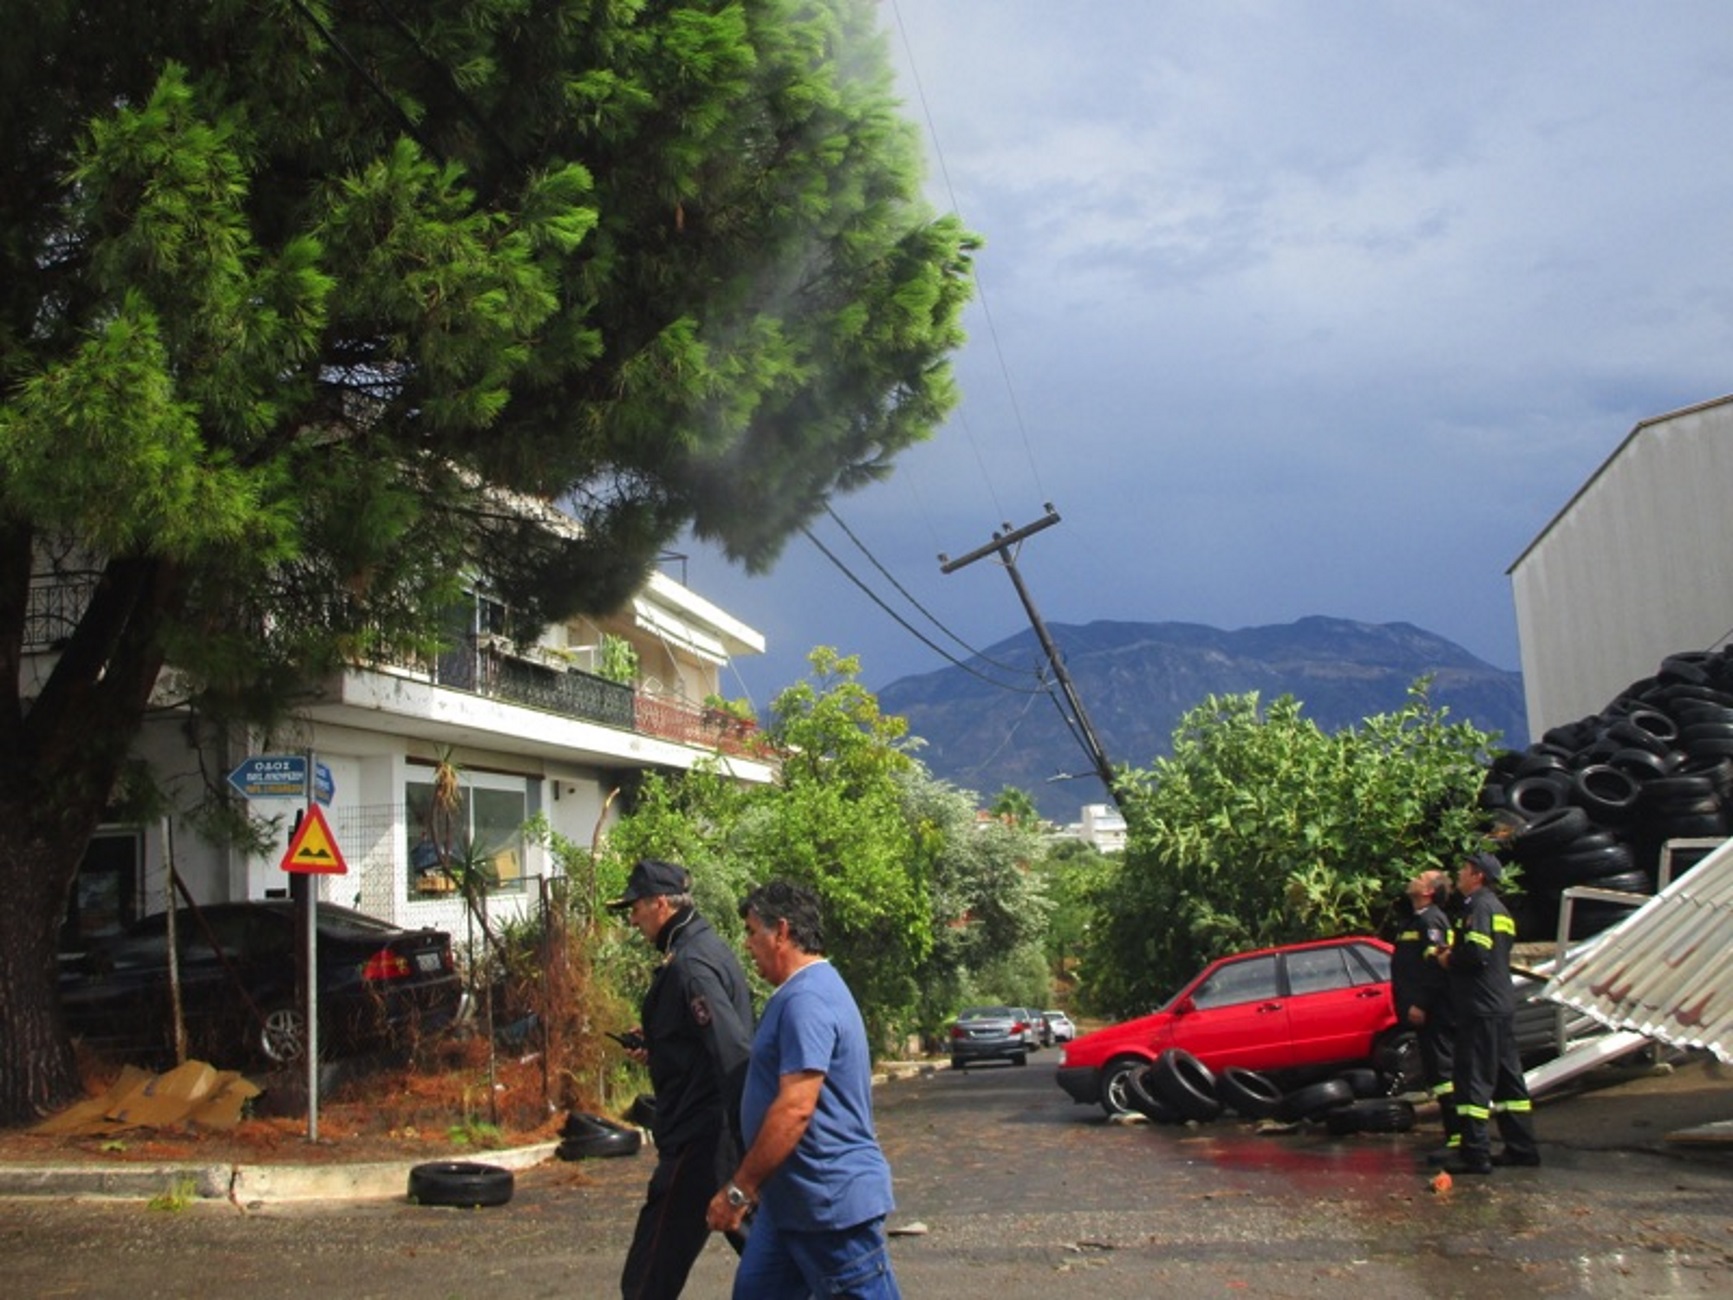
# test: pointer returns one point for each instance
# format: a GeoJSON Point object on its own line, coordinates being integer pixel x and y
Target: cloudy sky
{"type": "Point", "coordinates": [1288, 308]}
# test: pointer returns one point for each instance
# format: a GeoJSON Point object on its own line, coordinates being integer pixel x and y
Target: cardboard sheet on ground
{"type": "Point", "coordinates": [193, 1093]}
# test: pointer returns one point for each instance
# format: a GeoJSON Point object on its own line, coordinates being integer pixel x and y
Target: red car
{"type": "Point", "coordinates": [1291, 1010]}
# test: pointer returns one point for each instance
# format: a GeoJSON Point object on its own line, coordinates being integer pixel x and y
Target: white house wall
{"type": "Point", "coordinates": [1637, 566]}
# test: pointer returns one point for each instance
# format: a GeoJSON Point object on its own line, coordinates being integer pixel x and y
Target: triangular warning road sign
{"type": "Point", "coordinates": [313, 849]}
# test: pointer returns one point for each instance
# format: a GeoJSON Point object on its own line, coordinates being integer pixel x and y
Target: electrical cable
{"type": "Point", "coordinates": [904, 593]}
{"type": "Point", "coordinates": [908, 627]}
{"type": "Point", "coordinates": [980, 286]}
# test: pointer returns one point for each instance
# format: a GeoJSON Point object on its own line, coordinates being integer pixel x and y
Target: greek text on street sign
{"type": "Point", "coordinates": [272, 776]}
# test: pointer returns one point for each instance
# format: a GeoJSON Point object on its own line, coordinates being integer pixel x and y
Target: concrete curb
{"type": "Point", "coordinates": [243, 1184]}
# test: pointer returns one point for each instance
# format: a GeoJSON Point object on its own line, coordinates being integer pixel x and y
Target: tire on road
{"type": "Point", "coordinates": [1371, 1115]}
{"type": "Point", "coordinates": [1317, 1099]}
{"type": "Point", "coordinates": [461, 1183]}
{"type": "Point", "coordinates": [1251, 1094]}
{"type": "Point", "coordinates": [1186, 1084]}
{"type": "Point", "coordinates": [1146, 1101]}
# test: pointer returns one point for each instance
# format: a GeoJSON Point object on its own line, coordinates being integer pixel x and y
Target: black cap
{"type": "Point", "coordinates": [1488, 865]}
{"type": "Point", "coordinates": [650, 878]}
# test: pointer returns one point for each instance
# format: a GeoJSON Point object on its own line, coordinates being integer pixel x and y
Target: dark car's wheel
{"type": "Point", "coordinates": [1252, 1094]}
{"type": "Point", "coordinates": [1397, 1058]}
{"type": "Point", "coordinates": [1022, 1058]}
{"type": "Point", "coordinates": [1186, 1084]}
{"type": "Point", "coordinates": [280, 1037]}
{"type": "Point", "coordinates": [1116, 1086]}
{"type": "Point", "coordinates": [1314, 1100]}
{"type": "Point", "coordinates": [461, 1183]}
{"type": "Point", "coordinates": [957, 1063]}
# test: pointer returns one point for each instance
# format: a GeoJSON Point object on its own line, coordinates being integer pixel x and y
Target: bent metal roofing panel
{"type": "Point", "coordinates": [1667, 970]}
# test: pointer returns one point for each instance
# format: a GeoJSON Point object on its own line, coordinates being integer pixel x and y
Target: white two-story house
{"type": "Point", "coordinates": [565, 728]}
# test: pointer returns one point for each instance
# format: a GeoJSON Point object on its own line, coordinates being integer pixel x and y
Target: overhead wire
{"type": "Point", "coordinates": [908, 627]}
{"type": "Point", "coordinates": [980, 285]}
{"type": "Point", "coordinates": [906, 595]}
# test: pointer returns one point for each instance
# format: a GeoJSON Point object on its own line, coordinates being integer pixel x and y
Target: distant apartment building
{"type": "Point", "coordinates": [1102, 825]}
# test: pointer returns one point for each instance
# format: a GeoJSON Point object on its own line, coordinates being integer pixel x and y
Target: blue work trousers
{"type": "Point", "coordinates": [783, 1265]}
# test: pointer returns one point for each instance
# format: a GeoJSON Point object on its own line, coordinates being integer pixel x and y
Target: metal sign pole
{"type": "Point", "coordinates": [310, 920]}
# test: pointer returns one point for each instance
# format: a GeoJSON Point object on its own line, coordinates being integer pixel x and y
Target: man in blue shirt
{"type": "Point", "coordinates": [813, 1177]}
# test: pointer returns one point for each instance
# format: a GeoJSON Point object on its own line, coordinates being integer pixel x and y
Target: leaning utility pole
{"type": "Point", "coordinates": [1001, 545]}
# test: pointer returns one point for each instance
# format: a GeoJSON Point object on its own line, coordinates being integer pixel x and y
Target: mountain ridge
{"type": "Point", "coordinates": [1136, 680]}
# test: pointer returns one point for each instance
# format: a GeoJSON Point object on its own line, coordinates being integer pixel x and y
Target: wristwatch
{"type": "Point", "coordinates": [738, 1199]}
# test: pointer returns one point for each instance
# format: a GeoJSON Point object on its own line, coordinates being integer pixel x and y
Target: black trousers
{"type": "Point", "coordinates": [1489, 1084]}
{"type": "Point", "coordinates": [671, 1231]}
{"type": "Point", "coordinates": [1437, 1039]}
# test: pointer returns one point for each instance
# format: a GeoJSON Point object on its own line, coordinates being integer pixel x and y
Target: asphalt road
{"type": "Point", "coordinates": [1020, 1195]}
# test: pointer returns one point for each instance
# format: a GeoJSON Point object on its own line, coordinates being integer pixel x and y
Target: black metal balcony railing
{"type": "Point", "coordinates": [486, 670]}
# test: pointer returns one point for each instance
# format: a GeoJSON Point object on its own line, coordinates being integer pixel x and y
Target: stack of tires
{"type": "Point", "coordinates": [1179, 1089]}
{"type": "Point", "coordinates": [1593, 801]}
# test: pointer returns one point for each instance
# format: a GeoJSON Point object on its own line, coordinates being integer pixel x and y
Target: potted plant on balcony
{"type": "Point", "coordinates": [616, 660]}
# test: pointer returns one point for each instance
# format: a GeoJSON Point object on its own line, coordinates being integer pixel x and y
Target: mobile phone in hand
{"type": "Point", "coordinates": [631, 1042]}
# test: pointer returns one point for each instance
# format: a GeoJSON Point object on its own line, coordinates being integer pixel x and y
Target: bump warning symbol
{"type": "Point", "coordinates": [313, 849]}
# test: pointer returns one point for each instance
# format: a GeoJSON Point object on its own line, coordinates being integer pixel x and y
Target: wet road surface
{"type": "Point", "coordinates": [1021, 1194]}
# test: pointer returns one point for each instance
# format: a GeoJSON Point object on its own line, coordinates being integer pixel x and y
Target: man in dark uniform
{"type": "Point", "coordinates": [1422, 991]}
{"type": "Point", "coordinates": [697, 1026]}
{"type": "Point", "coordinates": [1483, 1000]}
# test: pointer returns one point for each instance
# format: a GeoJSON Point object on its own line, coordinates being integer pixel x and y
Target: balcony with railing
{"type": "Point", "coordinates": [492, 668]}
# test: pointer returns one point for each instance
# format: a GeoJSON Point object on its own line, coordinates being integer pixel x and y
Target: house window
{"type": "Point", "coordinates": [105, 896]}
{"type": "Point", "coordinates": [484, 831]}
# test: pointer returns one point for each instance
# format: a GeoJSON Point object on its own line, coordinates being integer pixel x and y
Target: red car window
{"type": "Point", "coordinates": [1334, 1012]}
{"type": "Point", "coordinates": [1238, 981]}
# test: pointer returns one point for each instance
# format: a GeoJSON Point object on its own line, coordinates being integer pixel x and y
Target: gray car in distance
{"type": "Point", "coordinates": [993, 1033]}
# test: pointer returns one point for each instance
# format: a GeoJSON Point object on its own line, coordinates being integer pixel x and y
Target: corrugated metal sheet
{"type": "Point", "coordinates": [1667, 971]}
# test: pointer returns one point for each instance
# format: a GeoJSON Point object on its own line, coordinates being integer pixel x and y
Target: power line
{"type": "Point", "coordinates": [913, 631]}
{"type": "Point", "coordinates": [980, 285]}
{"type": "Point", "coordinates": [904, 593]}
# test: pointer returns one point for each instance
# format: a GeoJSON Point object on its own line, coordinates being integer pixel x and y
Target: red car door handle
{"type": "Point", "coordinates": [1370, 993]}
{"type": "Point", "coordinates": [1269, 1006]}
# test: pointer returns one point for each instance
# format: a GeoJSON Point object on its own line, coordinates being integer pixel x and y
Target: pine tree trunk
{"type": "Point", "coordinates": [38, 1072]}
{"type": "Point", "coordinates": [61, 752]}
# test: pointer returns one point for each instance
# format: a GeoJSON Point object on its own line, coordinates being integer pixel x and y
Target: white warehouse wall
{"type": "Point", "coordinates": [1637, 565]}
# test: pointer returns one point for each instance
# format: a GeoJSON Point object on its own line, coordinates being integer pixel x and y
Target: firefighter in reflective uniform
{"type": "Point", "coordinates": [697, 1027]}
{"type": "Point", "coordinates": [1421, 989]}
{"type": "Point", "coordinates": [1488, 1068]}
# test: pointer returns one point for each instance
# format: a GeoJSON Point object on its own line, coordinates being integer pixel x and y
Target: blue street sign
{"type": "Point", "coordinates": [273, 776]}
{"type": "Point", "coordinates": [323, 786]}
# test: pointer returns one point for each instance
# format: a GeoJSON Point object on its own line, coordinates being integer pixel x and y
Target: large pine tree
{"type": "Point", "coordinates": [290, 288]}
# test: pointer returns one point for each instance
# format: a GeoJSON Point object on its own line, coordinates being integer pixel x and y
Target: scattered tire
{"type": "Point", "coordinates": [1365, 1083]}
{"type": "Point", "coordinates": [1186, 1084]}
{"type": "Point", "coordinates": [1249, 1093]}
{"type": "Point", "coordinates": [600, 1146]}
{"type": "Point", "coordinates": [460, 1183]}
{"type": "Point", "coordinates": [1371, 1115]}
{"type": "Point", "coordinates": [588, 1137]}
{"type": "Point", "coordinates": [1146, 1101]}
{"type": "Point", "coordinates": [1316, 1099]}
